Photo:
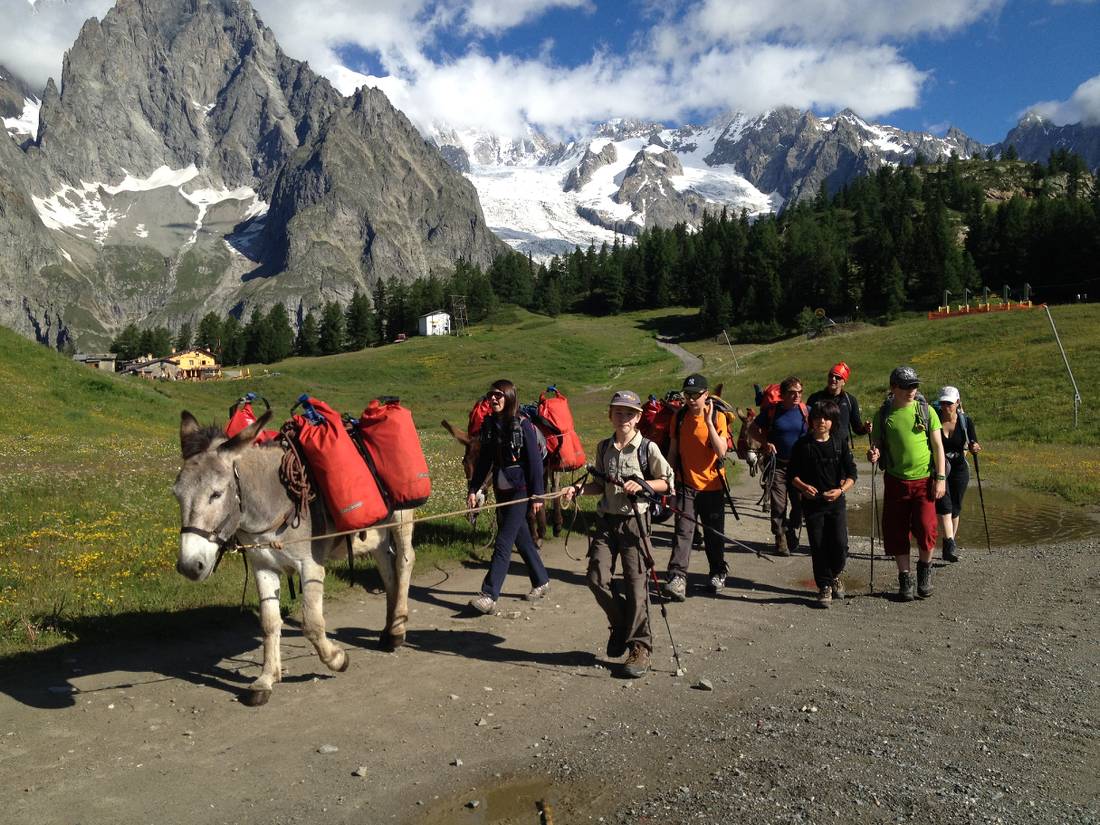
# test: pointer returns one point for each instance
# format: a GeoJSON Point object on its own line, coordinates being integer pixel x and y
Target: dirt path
{"type": "Point", "coordinates": [692, 363]}
{"type": "Point", "coordinates": [976, 705]}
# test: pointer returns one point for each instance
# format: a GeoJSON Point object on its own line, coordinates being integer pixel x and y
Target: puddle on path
{"type": "Point", "coordinates": [1015, 517]}
{"type": "Point", "coordinates": [521, 801]}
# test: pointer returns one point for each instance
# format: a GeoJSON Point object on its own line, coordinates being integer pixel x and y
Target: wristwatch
{"type": "Point", "coordinates": [941, 477]}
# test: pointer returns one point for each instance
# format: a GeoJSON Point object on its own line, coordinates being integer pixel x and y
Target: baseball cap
{"type": "Point", "coordinates": [904, 377]}
{"type": "Point", "coordinates": [626, 398]}
{"type": "Point", "coordinates": [695, 383]}
{"type": "Point", "coordinates": [950, 395]}
{"type": "Point", "coordinates": [841, 369]}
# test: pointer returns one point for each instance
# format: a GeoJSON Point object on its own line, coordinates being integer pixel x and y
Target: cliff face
{"type": "Point", "coordinates": [177, 124]}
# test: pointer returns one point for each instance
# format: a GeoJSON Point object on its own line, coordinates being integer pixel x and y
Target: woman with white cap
{"type": "Point", "coordinates": [958, 436]}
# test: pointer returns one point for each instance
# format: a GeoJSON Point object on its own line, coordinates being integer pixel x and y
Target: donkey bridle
{"type": "Point", "coordinates": [225, 542]}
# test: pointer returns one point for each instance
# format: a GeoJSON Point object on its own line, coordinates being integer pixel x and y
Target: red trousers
{"type": "Point", "coordinates": [909, 508]}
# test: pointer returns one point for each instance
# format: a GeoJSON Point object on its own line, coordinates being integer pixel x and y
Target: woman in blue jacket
{"type": "Point", "coordinates": [509, 449]}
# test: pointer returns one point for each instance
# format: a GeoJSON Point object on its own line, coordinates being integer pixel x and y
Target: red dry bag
{"type": "Point", "coordinates": [241, 415]}
{"type": "Point", "coordinates": [661, 431]}
{"type": "Point", "coordinates": [389, 436]}
{"type": "Point", "coordinates": [349, 488]}
{"type": "Point", "coordinates": [482, 410]}
{"type": "Point", "coordinates": [567, 453]}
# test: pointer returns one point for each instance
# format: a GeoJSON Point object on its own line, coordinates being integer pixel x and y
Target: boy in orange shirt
{"type": "Point", "coordinates": [699, 443]}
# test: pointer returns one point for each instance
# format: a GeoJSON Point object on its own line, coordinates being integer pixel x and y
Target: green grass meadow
{"type": "Point", "coordinates": [89, 528]}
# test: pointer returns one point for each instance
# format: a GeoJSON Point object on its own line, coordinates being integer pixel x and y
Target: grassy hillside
{"type": "Point", "coordinates": [89, 529]}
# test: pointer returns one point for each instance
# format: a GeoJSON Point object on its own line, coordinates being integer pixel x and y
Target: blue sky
{"type": "Point", "coordinates": [500, 65]}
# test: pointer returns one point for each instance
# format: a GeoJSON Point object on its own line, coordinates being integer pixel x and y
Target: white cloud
{"type": "Point", "coordinates": [500, 15]}
{"type": "Point", "coordinates": [35, 36]}
{"type": "Point", "coordinates": [1083, 105]}
{"type": "Point", "coordinates": [698, 56]}
{"type": "Point", "coordinates": [815, 21]}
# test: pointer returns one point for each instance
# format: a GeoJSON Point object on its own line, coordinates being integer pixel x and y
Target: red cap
{"type": "Point", "coordinates": [841, 369]}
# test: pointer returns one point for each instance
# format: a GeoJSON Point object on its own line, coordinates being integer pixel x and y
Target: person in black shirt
{"type": "Point", "coordinates": [850, 422]}
{"type": "Point", "coordinates": [822, 469]}
{"type": "Point", "coordinates": [958, 437]}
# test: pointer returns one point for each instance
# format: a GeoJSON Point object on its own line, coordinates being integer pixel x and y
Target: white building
{"type": "Point", "coordinates": [437, 322]}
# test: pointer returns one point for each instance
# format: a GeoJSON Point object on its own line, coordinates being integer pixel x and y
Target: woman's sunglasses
{"type": "Point", "coordinates": [495, 395]}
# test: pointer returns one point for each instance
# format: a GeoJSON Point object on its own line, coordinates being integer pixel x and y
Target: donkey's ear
{"type": "Point", "coordinates": [189, 426]}
{"type": "Point", "coordinates": [246, 436]}
{"type": "Point", "coordinates": [718, 390]}
{"type": "Point", "coordinates": [460, 436]}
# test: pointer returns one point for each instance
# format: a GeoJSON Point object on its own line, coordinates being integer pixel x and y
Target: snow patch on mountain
{"type": "Point", "coordinates": [25, 125]}
{"type": "Point", "coordinates": [91, 211]}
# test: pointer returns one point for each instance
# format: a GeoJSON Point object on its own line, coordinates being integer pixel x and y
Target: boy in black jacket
{"type": "Point", "coordinates": [822, 469]}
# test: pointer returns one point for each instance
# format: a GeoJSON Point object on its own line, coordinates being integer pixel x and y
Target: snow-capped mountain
{"type": "Point", "coordinates": [19, 107]}
{"type": "Point", "coordinates": [545, 197]}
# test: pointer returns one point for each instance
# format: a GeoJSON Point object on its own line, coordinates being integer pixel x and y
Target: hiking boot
{"type": "Point", "coordinates": [538, 592]}
{"type": "Point", "coordinates": [905, 587]}
{"type": "Point", "coordinates": [616, 643]}
{"type": "Point", "coordinates": [792, 541]}
{"type": "Point", "coordinates": [950, 550]}
{"type": "Point", "coordinates": [717, 583]}
{"type": "Point", "coordinates": [825, 596]}
{"type": "Point", "coordinates": [781, 546]}
{"type": "Point", "coordinates": [483, 604]}
{"type": "Point", "coordinates": [675, 589]}
{"type": "Point", "coordinates": [637, 663]}
{"type": "Point", "coordinates": [924, 579]}
{"type": "Point", "coordinates": [557, 530]}
{"type": "Point", "coordinates": [838, 589]}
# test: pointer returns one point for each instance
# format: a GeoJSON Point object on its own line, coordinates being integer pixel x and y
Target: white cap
{"type": "Point", "coordinates": [950, 395]}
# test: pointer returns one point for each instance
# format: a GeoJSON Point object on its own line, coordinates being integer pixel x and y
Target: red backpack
{"type": "Point", "coordinates": [661, 429]}
{"type": "Point", "coordinates": [482, 410]}
{"type": "Point", "coordinates": [347, 484]}
{"type": "Point", "coordinates": [388, 435]}
{"type": "Point", "coordinates": [565, 450]}
{"type": "Point", "coordinates": [241, 415]}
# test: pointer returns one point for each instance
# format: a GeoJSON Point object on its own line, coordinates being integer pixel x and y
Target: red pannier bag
{"type": "Point", "coordinates": [241, 415]}
{"type": "Point", "coordinates": [565, 451]}
{"type": "Point", "coordinates": [389, 436]}
{"type": "Point", "coordinates": [350, 489]}
{"type": "Point", "coordinates": [649, 416]}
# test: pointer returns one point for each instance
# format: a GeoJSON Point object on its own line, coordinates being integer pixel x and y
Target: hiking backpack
{"type": "Point", "coordinates": [347, 483]}
{"type": "Point", "coordinates": [566, 451]}
{"type": "Point", "coordinates": [388, 435]}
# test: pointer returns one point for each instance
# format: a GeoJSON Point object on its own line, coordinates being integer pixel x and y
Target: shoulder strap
{"type": "Point", "coordinates": [643, 457]}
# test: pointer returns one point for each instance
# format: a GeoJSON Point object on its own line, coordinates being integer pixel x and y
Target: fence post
{"type": "Point", "coordinates": [1072, 380]}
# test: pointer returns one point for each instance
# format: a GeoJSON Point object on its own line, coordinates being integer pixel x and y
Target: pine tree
{"type": "Point", "coordinates": [280, 334]}
{"type": "Point", "coordinates": [331, 336]}
{"type": "Point", "coordinates": [233, 341]}
{"type": "Point", "coordinates": [257, 338]}
{"type": "Point", "coordinates": [127, 346]}
{"type": "Point", "coordinates": [359, 322]}
{"type": "Point", "coordinates": [209, 334]}
{"type": "Point", "coordinates": [183, 337]}
{"type": "Point", "coordinates": [307, 344]}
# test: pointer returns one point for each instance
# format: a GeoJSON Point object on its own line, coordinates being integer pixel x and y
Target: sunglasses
{"type": "Point", "coordinates": [835, 377]}
{"type": "Point", "coordinates": [692, 396]}
{"type": "Point", "coordinates": [495, 395]}
{"type": "Point", "coordinates": [793, 392]}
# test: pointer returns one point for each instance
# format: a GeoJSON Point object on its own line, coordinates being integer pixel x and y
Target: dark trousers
{"type": "Point", "coordinates": [708, 507]}
{"type": "Point", "coordinates": [619, 537]}
{"type": "Point", "coordinates": [512, 530]}
{"type": "Point", "coordinates": [780, 497]}
{"type": "Point", "coordinates": [827, 530]}
{"type": "Point", "coordinates": [958, 479]}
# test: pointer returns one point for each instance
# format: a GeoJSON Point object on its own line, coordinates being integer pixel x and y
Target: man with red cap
{"type": "Point", "coordinates": [850, 423]}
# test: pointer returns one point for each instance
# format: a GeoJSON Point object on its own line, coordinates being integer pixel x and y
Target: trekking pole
{"type": "Point", "coordinates": [874, 524]}
{"type": "Point", "coordinates": [981, 498]}
{"type": "Point", "coordinates": [729, 498]}
{"type": "Point", "coordinates": [651, 566]}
